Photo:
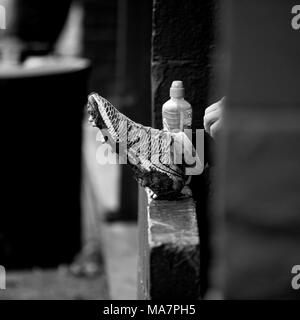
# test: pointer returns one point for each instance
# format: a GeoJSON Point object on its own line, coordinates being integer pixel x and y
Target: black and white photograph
{"type": "Point", "coordinates": [150, 151]}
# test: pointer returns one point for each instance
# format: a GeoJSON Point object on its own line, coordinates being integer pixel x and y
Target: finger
{"type": "Point", "coordinates": [215, 128]}
{"type": "Point", "coordinates": [210, 118]}
{"type": "Point", "coordinates": [212, 108]}
{"type": "Point", "coordinates": [215, 106]}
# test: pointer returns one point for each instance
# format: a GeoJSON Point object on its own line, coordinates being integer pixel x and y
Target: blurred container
{"type": "Point", "coordinates": [42, 109]}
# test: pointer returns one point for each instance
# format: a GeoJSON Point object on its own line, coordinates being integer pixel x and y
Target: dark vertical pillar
{"type": "Point", "coordinates": [183, 42]}
{"type": "Point", "coordinates": [259, 193]}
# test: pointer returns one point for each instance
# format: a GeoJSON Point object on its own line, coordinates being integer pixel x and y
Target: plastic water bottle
{"type": "Point", "coordinates": [177, 112]}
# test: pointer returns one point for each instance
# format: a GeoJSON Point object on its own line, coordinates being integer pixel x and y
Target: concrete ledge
{"type": "Point", "coordinates": [169, 250]}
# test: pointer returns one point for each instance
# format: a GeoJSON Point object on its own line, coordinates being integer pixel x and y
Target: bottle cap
{"type": "Point", "coordinates": [177, 89]}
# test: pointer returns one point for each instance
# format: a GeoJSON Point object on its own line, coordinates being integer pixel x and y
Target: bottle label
{"type": "Point", "coordinates": [187, 119]}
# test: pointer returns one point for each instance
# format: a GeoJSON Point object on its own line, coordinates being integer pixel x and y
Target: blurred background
{"type": "Point", "coordinates": [68, 226]}
{"type": "Point", "coordinates": [68, 220]}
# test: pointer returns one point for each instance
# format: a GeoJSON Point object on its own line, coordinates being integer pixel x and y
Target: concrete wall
{"type": "Point", "coordinates": [182, 45]}
{"type": "Point", "coordinates": [183, 39]}
{"type": "Point", "coordinates": [168, 250]}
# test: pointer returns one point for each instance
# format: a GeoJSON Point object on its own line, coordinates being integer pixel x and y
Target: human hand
{"type": "Point", "coordinates": [212, 119]}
